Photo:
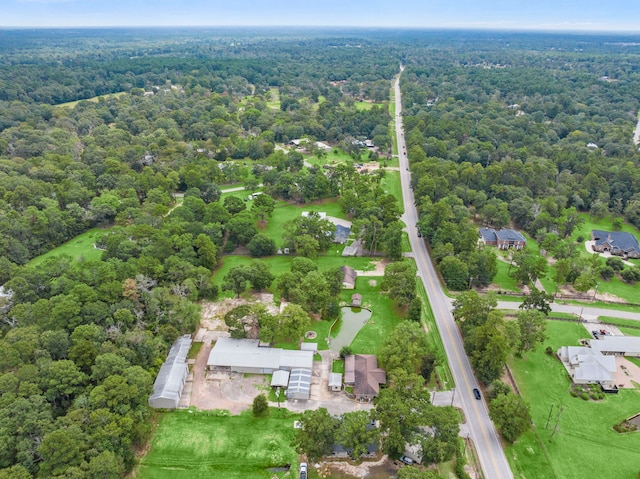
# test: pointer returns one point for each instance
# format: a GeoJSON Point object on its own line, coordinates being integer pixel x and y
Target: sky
{"type": "Point", "coordinates": [577, 15]}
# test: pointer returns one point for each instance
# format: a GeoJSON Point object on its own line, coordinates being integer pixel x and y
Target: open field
{"type": "Point", "coordinates": [79, 248]}
{"type": "Point", "coordinates": [196, 445]}
{"type": "Point", "coordinates": [585, 446]}
{"type": "Point", "coordinates": [72, 104]}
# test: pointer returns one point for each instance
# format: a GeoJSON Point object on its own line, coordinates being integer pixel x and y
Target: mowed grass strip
{"type": "Point", "coordinates": [198, 445]}
{"type": "Point", "coordinates": [585, 446]}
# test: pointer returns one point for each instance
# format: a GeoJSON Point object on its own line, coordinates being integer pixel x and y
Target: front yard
{"type": "Point", "coordinates": [585, 445]}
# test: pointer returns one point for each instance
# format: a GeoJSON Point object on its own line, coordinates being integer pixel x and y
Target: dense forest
{"type": "Point", "coordinates": [501, 129]}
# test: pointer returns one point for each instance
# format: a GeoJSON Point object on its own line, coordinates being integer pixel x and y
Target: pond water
{"type": "Point", "coordinates": [346, 329]}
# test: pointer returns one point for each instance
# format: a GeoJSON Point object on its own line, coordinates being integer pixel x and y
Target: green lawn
{"type": "Point", "coordinates": [503, 279]}
{"type": "Point", "coordinates": [72, 104]}
{"type": "Point", "coordinates": [274, 103]}
{"type": "Point", "coordinates": [391, 184]}
{"type": "Point", "coordinates": [384, 318]}
{"type": "Point", "coordinates": [285, 212]}
{"type": "Point", "coordinates": [585, 445]}
{"type": "Point", "coordinates": [366, 105]}
{"type": "Point", "coordinates": [435, 339]}
{"type": "Point", "coordinates": [334, 157]}
{"type": "Point", "coordinates": [79, 248]}
{"type": "Point", "coordinates": [198, 445]}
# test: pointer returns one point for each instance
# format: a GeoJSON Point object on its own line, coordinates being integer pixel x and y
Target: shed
{"type": "Point", "coordinates": [299, 384]}
{"type": "Point", "coordinates": [309, 347]}
{"type": "Point", "coordinates": [335, 382]}
{"type": "Point", "coordinates": [169, 383]}
{"type": "Point", "coordinates": [280, 379]}
{"type": "Point", "coordinates": [356, 300]}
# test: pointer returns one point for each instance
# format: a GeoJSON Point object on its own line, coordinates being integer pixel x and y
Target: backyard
{"type": "Point", "coordinates": [198, 445]}
{"type": "Point", "coordinates": [584, 446]}
{"type": "Point", "coordinates": [79, 248]}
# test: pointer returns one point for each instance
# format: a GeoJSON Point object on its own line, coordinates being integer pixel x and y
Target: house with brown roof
{"type": "Point", "coordinates": [361, 372]}
{"type": "Point", "coordinates": [350, 275]}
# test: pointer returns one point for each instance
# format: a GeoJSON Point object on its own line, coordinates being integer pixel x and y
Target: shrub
{"type": "Point", "coordinates": [549, 351]}
{"type": "Point", "coordinates": [260, 405]}
{"type": "Point", "coordinates": [584, 396]}
{"type": "Point", "coordinates": [574, 394]}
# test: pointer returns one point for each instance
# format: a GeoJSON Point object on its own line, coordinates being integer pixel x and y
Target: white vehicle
{"type": "Point", "coordinates": [303, 470]}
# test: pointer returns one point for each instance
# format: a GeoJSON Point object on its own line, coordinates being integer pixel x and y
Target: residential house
{"type": "Point", "coordinates": [588, 366]}
{"type": "Point", "coordinates": [618, 243]}
{"type": "Point", "coordinates": [350, 275]}
{"type": "Point", "coordinates": [502, 239]}
{"type": "Point", "coordinates": [361, 371]}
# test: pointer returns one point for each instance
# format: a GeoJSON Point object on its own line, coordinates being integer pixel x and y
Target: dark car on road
{"type": "Point", "coordinates": [476, 393]}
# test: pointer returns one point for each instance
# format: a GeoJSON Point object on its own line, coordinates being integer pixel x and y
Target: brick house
{"type": "Point", "coordinates": [502, 239]}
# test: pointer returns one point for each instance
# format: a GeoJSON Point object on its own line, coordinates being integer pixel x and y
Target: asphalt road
{"type": "Point", "coordinates": [481, 430]}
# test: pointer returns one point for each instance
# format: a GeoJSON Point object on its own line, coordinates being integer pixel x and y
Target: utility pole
{"type": "Point", "coordinates": [555, 428]}
{"type": "Point", "coordinates": [549, 417]}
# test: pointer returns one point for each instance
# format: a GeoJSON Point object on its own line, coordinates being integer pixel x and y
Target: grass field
{"type": "Point", "coordinates": [198, 446]}
{"type": "Point", "coordinates": [585, 445]}
{"type": "Point", "coordinates": [384, 318]}
{"type": "Point", "coordinates": [72, 104]}
{"type": "Point", "coordinates": [79, 248]}
{"type": "Point", "coordinates": [274, 103]}
{"type": "Point", "coordinates": [285, 212]}
{"type": "Point", "coordinates": [391, 184]}
{"type": "Point", "coordinates": [366, 105]}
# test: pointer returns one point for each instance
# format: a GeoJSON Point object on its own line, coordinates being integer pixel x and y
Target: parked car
{"type": "Point", "coordinates": [476, 393]}
{"type": "Point", "coordinates": [303, 470]}
{"type": "Point", "coordinates": [407, 460]}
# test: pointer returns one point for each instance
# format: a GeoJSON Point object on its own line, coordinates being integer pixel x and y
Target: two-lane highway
{"type": "Point", "coordinates": [482, 431]}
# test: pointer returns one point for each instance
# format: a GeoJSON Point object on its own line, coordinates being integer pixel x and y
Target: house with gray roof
{"type": "Point", "coordinates": [502, 239]}
{"type": "Point", "coordinates": [617, 243]}
{"type": "Point", "coordinates": [588, 366]}
{"type": "Point", "coordinates": [173, 373]}
{"type": "Point", "coordinates": [617, 345]}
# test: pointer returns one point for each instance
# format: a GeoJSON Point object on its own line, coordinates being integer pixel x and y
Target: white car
{"type": "Point", "coordinates": [303, 470]}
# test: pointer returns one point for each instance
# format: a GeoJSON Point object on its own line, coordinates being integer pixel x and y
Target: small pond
{"type": "Point", "coordinates": [345, 330]}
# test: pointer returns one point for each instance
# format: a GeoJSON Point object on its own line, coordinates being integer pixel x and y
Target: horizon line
{"type": "Point", "coordinates": [540, 29]}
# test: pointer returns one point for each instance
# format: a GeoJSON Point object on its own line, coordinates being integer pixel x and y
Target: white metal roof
{"type": "Point", "coordinates": [280, 379]}
{"type": "Point", "coordinates": [616, 344]}
{"type": "Point", "coordinates": [335, 380]}
{"type": "Point", "coordinates": [299, 382]}
{"type": "Point", "coordinates": [170, 379]}
{"type": "Point", "coordinates": [245, 353]}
